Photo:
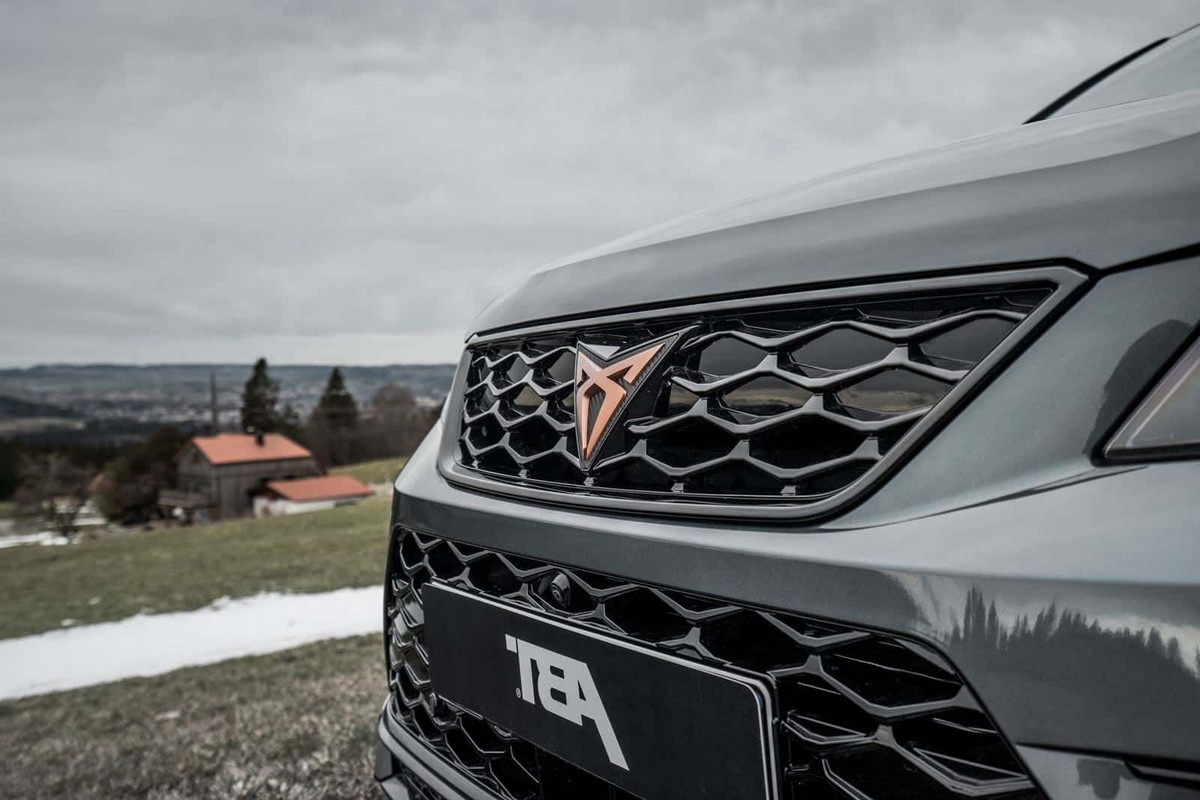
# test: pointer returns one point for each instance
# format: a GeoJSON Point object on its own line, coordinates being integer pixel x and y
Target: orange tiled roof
{"type": "Point", "coordinates": [326, 487]}
{"type": "Point", "coordinates": [239, 448]}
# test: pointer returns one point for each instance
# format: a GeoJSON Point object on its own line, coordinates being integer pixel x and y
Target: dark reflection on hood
{"type": "Point", "coordinates": [1130, 679]}
{"type": "Point", "coordinates": [1052, 628]}
{"type": "Point", "coordinates": [1066, 774]}
{"type": "Point", "coordinates": [1110, 779]}
{"type": "Point", "coordinates": [1103, 776]}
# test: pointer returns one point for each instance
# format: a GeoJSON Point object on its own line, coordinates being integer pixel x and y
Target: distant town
{"type": "Point", "coordinates": [115, 403]}
{"type": "Point", "coordinates": [97, 445]}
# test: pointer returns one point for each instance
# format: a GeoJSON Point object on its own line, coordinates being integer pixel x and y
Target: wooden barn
{"type": "Point", "coordinates": [219, 476]}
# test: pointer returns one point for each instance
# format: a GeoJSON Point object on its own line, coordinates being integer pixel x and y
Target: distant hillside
{"type": "Point", "coordinates": [15, 408]}
{"type": "Point", "coordinates": [25, 418]}
{"type": "Point", "coordinates": [179, 393]}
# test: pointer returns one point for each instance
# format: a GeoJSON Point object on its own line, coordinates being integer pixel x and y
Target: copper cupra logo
{"type": "Point", "coordinates": [604, 387]}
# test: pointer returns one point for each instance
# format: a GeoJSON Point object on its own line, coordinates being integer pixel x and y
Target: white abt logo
{"type": "Point", "coordinates": [566, 689]}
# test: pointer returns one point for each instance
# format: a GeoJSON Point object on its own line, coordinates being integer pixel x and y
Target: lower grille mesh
{"type": "Point", "coordinates": [862, 715]}
{"type": "Point", "coordinates": [417, 788]}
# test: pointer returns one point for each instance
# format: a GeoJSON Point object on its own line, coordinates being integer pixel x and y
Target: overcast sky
{"type": "Point", "coordinates": [342, 182]}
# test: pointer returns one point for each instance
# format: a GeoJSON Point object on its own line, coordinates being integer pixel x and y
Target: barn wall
{"type": "Point", "coordinates": [194, 473]}
{"type": "Point", "coordinates": [233, 483]}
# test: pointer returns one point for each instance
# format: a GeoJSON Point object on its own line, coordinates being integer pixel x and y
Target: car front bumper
{"type": "Point", "coordinates": [1066, 592]}
{"type": "Point", "coordinates": [1086, 676]}
{"type": "Point", "coordinates": [407, 770]}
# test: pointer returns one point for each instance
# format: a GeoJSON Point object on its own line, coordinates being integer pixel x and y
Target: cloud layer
{"type": "Point", "coordinates": [351, 182]}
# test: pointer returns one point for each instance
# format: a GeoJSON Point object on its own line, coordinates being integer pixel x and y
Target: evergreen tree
{"type": "Point", "coordinates": [260, 399]}
{"type": "Point", "coordinates": [333, 423]}
{"type": "Point", "coordinates": [290, 424]}
{"type": "Point", "coordinates": [337, 407]}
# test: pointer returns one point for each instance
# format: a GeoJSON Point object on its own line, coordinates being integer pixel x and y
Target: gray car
{"type": "Point", "coordinates": [882, 486]}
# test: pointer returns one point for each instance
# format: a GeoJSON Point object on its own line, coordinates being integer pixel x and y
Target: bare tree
{"type": "Point", "coordinates": [399, 422]}
{"type": "Point", "coordinates": [52, 488]}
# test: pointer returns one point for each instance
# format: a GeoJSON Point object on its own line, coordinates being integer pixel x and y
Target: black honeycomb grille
{"type": "Point", "coordinates": [417, 788]}
{"type": "Point", "coordinates": [862, 715]}
{"type": "Point", "coordinates": [791, 404]}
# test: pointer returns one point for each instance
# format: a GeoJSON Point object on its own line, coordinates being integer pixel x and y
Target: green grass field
{"type": "Point", "coordinates": [185, 568]}
{"type": "Point", "coordinates": [297, 724]}
{"type": "Point", "coordinates": [382, 471]}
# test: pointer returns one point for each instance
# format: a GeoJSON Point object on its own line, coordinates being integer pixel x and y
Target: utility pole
{"type": "Point", "coordinates": [212, 402]}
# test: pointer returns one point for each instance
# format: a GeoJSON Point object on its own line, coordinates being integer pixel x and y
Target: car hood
{"type": "Point", "coordinates": [1100, 189]}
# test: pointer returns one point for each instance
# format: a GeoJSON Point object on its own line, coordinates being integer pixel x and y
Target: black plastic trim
{"type": "Point", "coordinates": [1176, 773]}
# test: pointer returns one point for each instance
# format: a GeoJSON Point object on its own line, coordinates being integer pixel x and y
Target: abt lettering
{"type": "Point", "coordinates": [565, 688]}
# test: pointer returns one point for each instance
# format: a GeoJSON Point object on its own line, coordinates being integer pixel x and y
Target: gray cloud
{"type": "Point", "coordinates": [351, 181]}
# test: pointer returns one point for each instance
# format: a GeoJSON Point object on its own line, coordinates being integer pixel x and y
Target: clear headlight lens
{"type": "Point", "coordinates": [1167, 423]}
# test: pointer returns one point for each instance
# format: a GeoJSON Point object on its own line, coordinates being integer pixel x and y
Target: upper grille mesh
{"type": "Point", "coordinates": [792, 404]}
{"type": "Point", "coordinates": [860, 714]}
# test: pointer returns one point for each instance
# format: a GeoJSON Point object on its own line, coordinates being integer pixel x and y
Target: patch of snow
{"type": "Point", "coordinates": [151, 644]}
{"type": "Point", "coordinates": [44, 537]}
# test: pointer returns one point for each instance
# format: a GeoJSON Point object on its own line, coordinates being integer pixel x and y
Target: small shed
{"type": "Point", "coordinates": [309, 494]}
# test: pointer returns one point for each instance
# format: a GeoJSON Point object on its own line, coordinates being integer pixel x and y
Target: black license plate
{"type": "Point", "coordinates": [651, 723]}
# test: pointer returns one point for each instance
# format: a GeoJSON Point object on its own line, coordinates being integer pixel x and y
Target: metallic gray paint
{"type": "Point", "coordinates": [1064, 588]}
{"type": "Point", "coordinates": [1103, 188]}
{"type": "Point", "coordinates": [1004, 509]}
{"type": "Point", "coordinates": [916, 577]}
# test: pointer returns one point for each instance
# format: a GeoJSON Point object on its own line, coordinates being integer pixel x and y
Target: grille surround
{"type": "Point", "coordinates": [852, 703]}
{"type": "Point", "coordinates": [1059, 282]}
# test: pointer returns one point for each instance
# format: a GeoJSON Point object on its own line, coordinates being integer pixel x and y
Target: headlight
{"type": "Point", "coordinates": [1167, 423]}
